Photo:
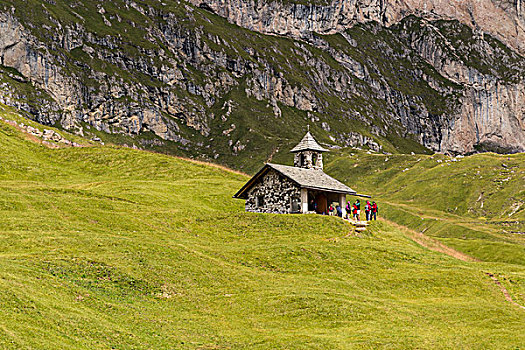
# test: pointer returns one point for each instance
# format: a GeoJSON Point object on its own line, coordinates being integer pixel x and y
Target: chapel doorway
{"type": "Point", "coordinates": [322, 203]}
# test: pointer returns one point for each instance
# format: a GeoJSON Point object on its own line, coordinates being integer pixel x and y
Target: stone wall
{"type": "Point", "coordinates": [277, 192]}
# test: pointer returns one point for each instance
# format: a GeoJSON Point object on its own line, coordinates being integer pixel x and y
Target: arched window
{"type": "Point", "coordinates": [314, 159]}
{"type": "Point", "coordinates": [302, 160]}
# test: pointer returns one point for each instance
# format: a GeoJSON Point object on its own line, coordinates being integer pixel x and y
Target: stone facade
{"type": "Point", "coordinates": [273, 193]}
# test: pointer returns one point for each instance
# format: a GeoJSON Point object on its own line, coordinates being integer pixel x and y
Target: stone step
{"type": "Point", "coordinates": [359, 223]}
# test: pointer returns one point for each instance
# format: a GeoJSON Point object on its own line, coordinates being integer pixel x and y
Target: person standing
{"type": "Point", "coordinates": [339, 211]}
{"type": "Point", "coordinates": [348, 210]}
{"type": "Point", "coordinates": [374, 211]}
{"type": "Point", "coordinates": [354, 212]}
{"type": "Point", "coordinates": [368, 210]}
{"type": "Point", "coordinates": [331, 210]}
{"type": "Point", "coordinates": [358, 206]}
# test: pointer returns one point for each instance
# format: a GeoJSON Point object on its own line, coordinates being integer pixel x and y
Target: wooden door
{"type": "Point", "coordinates": [322, 203]}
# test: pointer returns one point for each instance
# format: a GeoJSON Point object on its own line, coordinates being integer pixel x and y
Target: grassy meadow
{"type": "Point", "coordinates": [475, 204]}
{"type": "Point", "coordinates": [114, 248]}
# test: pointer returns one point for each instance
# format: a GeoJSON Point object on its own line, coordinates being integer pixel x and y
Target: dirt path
{"type": "Point", "coordinates": [504, 290]}
{"type": "Point", "coordinates": [431, 243]}
{"type": "Point", "coordinates": [437, 246]}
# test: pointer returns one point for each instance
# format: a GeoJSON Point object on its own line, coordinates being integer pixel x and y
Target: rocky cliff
{"type": "Point", "coordinates": [504, 20]}
{"type": "Point", "coordinates": [176, 77]}
{"type": "Point", "coordinates": [492, 114]}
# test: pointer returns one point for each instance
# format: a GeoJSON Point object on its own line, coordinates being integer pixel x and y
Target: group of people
{"type": "Point", "coordinates": [371, 210]}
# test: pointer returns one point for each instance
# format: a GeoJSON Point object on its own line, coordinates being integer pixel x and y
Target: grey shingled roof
{"type": "Point", "coordinates": [307, 178]}
{"type": "Point", "coordinates": [312, 178]}
{"type": "Point", "coordinates": [308, 143]}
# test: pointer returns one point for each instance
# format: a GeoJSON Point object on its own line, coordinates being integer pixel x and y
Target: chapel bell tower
{"type": "Point", "coordinates": [308, 153]}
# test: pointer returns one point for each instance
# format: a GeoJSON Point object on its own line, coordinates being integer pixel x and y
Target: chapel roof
{"type": "Point", "coordinates": [313, 179]}
{"type": "Point", "coordinates": [308, 143]}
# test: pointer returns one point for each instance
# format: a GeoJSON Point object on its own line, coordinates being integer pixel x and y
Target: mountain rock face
{"type": "Point", "coordinates": [504, 20]}
{"type": "Point", "coordinates": [492, 114]}
{"type": "Point", "coordinates": [177, 77]}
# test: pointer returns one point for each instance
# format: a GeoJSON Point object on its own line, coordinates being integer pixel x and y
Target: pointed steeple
{"type": "Point", "coordinates": [308, 143]}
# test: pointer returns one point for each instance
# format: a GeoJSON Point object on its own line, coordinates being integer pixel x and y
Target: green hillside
{"type": "Point", "coordinates": [475, 204]}
{"type": "Point", "coordinates": [107, 247]}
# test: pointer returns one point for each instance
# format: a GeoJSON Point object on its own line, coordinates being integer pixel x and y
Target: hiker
{"type": "Point", "coordinates": [339, 211]}
{"type": "Point", "coordinates": [358, 205]}
{"type": "Point", "coordinates": [354, 212]}
{"type": "Point", "coordinates": [331, 210]}
{"type": "Point", "coordinates": [348, 209]}
{"type": "Point", "coordinates": [312, 206]}
{"type": "Point", "coordinates": [368, 209]}
{"type": "Point", "coordinates": [374, 211]}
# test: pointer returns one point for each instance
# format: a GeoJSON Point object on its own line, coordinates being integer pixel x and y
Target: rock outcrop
{"type": "Point", "coordinates": [47, 137]}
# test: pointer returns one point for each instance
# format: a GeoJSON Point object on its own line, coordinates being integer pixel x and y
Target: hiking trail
{"type": "Point", "coordinates": [437, 246]}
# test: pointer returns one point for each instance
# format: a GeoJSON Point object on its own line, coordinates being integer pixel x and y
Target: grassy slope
{"type": "Point", "coordinates": [475, 204]}
{"type": "Point", "coordinates": [115, 248]}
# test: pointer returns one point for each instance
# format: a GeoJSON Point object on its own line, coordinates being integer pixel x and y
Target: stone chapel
{"type": "Point", "coordinates": [302, 188]}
